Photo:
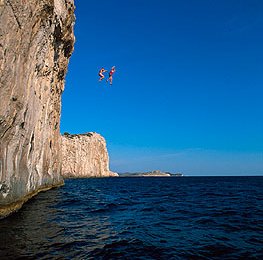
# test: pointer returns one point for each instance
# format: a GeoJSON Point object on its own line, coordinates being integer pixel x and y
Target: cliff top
{"type": "Point", "coordinates": [89, 134]}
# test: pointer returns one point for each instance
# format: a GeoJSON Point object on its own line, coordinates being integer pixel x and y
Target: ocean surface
{"type": "Point", "coordinates": [140, 218]}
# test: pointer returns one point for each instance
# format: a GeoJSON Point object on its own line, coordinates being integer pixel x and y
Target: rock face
{"type": "Point", "coordinates": [85, 155]}
{"type": "Point", "coordinates": [36, 41]}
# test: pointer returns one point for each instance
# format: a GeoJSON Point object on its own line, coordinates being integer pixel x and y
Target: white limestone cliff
{"type": "Point", "coordinates": [85, 155]}
{"type": "Point", "coordinates": [36, 41]}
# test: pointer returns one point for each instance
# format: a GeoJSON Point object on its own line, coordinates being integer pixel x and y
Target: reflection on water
{"type": "Point", "coordinates": [140, 218]}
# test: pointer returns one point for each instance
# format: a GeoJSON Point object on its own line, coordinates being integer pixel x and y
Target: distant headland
{"type": "Point", "coordinates": [155, 173]}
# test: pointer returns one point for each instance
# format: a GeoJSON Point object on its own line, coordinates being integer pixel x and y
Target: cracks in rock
{"type": "Point", "coordinates": [22, 125]}
{"type": "Point", "coordinates": [10, 126]}
{"type": "Point", "coordinates": [57, 40]}
{"type": "Point", "coordinates": [31, 143]}
{"type": "Point", "coordinates": [14, 13]}
{"type": "Point", "coordinates": [25, 113]}
{"type": "Point", "coordinates": [61, 74]}
{"type": "Point", "coordinates": [68, 48]}
{"type": "Point", "coordinates": [63, 43]}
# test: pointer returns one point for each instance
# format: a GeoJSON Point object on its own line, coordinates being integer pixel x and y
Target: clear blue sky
{"type": "Point", "coordinates": [188, 90]}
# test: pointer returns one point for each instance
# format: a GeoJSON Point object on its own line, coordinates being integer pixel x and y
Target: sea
{"type": "Point", "coordinates": [140, 218]}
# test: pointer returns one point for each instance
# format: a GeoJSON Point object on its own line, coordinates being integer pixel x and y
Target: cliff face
{"type": "Point", "coordinates": [85, 155]}
{"type": "Point", "coordinates": [36, 41]}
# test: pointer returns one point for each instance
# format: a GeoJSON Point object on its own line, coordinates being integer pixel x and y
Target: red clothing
{"type": "Point", "coordinates": [112, 71]}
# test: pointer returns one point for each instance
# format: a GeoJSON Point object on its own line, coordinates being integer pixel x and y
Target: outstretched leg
{"type": "Point", "coordinates": [110, 79]}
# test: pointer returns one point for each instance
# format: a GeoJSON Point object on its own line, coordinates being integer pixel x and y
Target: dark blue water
{"type": "Point", "coordinates": [140, 218]}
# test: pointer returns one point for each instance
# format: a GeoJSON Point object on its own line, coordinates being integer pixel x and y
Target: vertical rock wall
{"type": "Point", "coordinates": [36, 41]}
{"type": "Point", "coordinates": [85, 155]}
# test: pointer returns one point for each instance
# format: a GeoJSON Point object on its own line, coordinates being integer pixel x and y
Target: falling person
{"type": "Point", "coordinates": [112, 71]}
{"type": "Point", "coordinates": [102, 70]}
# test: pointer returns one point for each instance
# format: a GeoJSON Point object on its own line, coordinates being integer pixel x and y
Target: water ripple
{"type": "Point", "coordinates": [140, 218]}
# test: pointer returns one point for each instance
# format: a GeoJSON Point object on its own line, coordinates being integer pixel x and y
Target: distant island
{"type": "Point", "coordinates": [155, 173]}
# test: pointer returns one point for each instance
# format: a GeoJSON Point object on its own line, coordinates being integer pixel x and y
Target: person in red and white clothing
{"type": "Point", "coordinates": [112, 71]}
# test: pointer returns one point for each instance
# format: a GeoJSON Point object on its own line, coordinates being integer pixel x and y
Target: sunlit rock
{"type": "Point", "coordinates": [85, 155]}
{"type": "Point", "coordinates": [36, 41]}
